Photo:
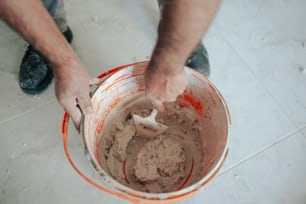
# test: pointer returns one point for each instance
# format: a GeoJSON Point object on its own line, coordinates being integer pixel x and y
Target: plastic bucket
{"type": "Point", "coordinates": [122, 82]}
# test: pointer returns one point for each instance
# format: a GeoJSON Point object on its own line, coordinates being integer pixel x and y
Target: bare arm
{"type": "Point", "coordinates": [33, 22]}
{"type": "Point", "coordinates": [184, 22]}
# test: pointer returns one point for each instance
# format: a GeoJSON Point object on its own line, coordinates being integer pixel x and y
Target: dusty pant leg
{"type": "Point", "coordinates": [160, 4]}
{"type": "Point", "coordinates": [57, 11]}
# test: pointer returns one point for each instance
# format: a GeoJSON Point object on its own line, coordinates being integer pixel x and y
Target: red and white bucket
{"type": "Point", "coordinates": [122, 82]}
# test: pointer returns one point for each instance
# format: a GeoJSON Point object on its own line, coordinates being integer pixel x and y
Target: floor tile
{"type": "Point", "coordinates": [123, 33]}
{"type": "Point", "coordinates": [34, 168]}
{"type": "Point", "coordinates": [269, 37]}
{"type": "Point", "coordinates": [12, 46]}
{"type": "Point", "coordinates": [14, 102]}
{"type": "Point", "coordinates": [275, 176]}
{"type": "Point", "coordinates": [257, 119]}
{"type": "Point", "coordinates": [303, 131]}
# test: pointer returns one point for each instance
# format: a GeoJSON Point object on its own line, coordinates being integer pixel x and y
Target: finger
{"type": "Point", "coordinates": [158, 105]}
{"type": "Point", "coordinates": [74, 112]}
{"type": "Point", "coordinates": [85, 105]}
{"type": "Point", "coordinates": [95, 81]}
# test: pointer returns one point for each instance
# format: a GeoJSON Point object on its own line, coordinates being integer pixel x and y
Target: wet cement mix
{"type": "Point", "coordinates": [162, 164]}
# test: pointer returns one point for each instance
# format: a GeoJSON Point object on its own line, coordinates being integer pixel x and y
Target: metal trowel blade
{"type": "Point", "coordinates": [147, 126]}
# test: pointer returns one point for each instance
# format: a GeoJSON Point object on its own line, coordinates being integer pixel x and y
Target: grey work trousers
{"type": "Point", "coordinates": [57, 11]}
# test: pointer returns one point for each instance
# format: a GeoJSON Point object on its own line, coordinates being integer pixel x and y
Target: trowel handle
{"type": "Point", "coordinates": [153, 114]}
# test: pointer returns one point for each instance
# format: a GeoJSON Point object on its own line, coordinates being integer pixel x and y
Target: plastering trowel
{"type": "Point", "coordinates": [147, 126]}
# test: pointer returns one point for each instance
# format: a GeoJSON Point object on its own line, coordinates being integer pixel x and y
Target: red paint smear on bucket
{"type": "Point", "coordinates": [124, 172]}
{"type": "Point", "coordinates": [195, 103]}
{"type": "Point", "coordinates": [117, 80]}
{"type": "Point", "coordinates": [188, 177]}
{"type": "Point", "coordinates": [101, 122]}
{"type": "Point", "coordinates": [99, 127]}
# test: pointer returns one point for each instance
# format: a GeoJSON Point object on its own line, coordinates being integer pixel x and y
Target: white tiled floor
{"type": "Point", "coordinates": [258, 59]}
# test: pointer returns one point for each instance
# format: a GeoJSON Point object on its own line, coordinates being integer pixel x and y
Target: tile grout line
{"type": "Point", "coordinates": [262, 150]}
{"type": "Point", "coordinates": [25, 112]}
{"type": "Point", "coordinates": [298, 129]}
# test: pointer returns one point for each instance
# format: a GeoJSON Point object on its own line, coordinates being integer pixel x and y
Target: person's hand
{"type": "Point", "coordinates": [72, 88]}
{"type": "Point", "coordinates": [162, 86]}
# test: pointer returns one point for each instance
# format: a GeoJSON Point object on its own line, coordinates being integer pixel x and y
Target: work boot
{"type": "Point", "coordinates": [198, 60]}
{"type": "Point", "coordinates": [35, 70]}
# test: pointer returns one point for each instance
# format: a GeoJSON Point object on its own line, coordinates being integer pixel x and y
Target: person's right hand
{"type": "Point", "coordinates": [72, 88]}
{"type": "Point", "coordinates": [162, 86]}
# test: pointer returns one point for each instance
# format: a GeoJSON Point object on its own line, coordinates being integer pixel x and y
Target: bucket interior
{"type": "Point", "coordinates": [203, 148]}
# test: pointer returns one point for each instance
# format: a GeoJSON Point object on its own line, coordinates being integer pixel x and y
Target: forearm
{"type": "Point", "coordinates": [33, 22]}
{"type": "Point", "coordinates": [184, 22]}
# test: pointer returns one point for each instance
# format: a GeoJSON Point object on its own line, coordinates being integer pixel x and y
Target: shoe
{"type": "Point", "coordinates": [35, 70]}
{"type": "Point", "coordinates": [198, 60]}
